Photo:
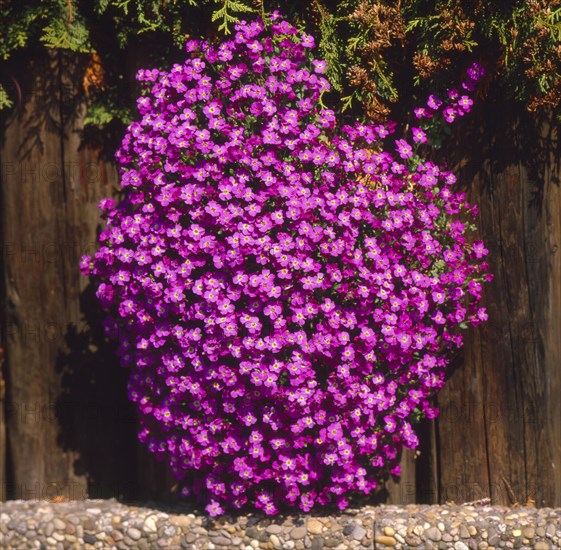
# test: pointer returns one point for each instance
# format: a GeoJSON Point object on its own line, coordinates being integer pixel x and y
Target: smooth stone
{"type": "Point", "coordinates": [59, 524]}
{"type": "Point", "coordinates": [273, 529]}
{"type": "Point", "coordinates": [464, 532]}
{"type": "Point", "coordinates": [221, 541]}
{"type": "Point", "coordinates": [383, 539]}
{"type": "Point", "coordinates": [529, 532]}
{"type": "Point", "coordinates": [460, 546]}
{"type": "Point", "coordinates": [298, 533]}
{"type": "Point", "coordinates": [314, 526]}
{"type": "Point", "coordinates": [358, 532]}
{"type": "Point", "coordinates": [550, 530]}
{"type": "Point", "coordinates": [252, 532]}
{"type": "Point", "coordinates": [134, 533]}
{"type": "Point", "coordinates": [389, 531]}
{"type": "Point", "coordinates": [433, 533]}
{"type": "Point", "coordinates": [90, 539]}
{"type": "Point", "coordinates": [317, 543]}
{"type": "Point", "coordinates": [288, 545]}
{"type": "Point", "coordinates": [181, 521]}
{"type": "Point", "coordinates": [170, 531]}
{"type": "Point", "coordinates": [275, 541]}
{"type": "Point", "coordinates": [150, 524]}
{"type": "Point", "coordinates": [541, 546]}
{"type": "Point", "coordinates": [412, 540]}
{"type": "Point", "coordinates": [89, 524]}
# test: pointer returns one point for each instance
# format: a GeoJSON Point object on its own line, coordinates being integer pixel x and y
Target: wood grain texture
{"type": "Point", "coordinates": [3, 442]}
{"type": "Point", "coordinates": [69, 427]}
{"type": "Point", "coordinates": [506, 394]}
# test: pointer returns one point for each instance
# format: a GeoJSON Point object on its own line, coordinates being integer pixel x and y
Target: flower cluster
{"type": "Point", "coordinates": [282, 289]}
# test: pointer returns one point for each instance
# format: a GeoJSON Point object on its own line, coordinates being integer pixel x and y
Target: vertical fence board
{"type": "Point", "coordinates": [3, 442]}
{"type": "Point", "coordinates": [511, 447]}
{"type": "Point", "coordinates": [36, 292]}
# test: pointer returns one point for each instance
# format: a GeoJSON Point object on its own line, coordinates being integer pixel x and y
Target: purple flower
{"type": "Point", "coordinates": [404, 149]}
{"type": "Point", "coordinates": [419, 135]}
{"type": "Point", "coordinates": [283, 293]}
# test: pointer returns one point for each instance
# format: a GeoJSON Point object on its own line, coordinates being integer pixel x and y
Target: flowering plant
{"type": "Point", "coordinates": [282, 289]}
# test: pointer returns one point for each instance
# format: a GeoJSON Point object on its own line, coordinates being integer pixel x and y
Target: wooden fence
{"type": "Point", "coordinates": [66, 427]}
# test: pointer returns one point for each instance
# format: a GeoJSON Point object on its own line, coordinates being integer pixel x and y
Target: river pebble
{"type": "Point", "coordinates": [109, 524]}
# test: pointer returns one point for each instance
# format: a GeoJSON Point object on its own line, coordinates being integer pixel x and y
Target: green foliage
{"type": "Point", "coordinates": [101, 113]}
{"type": "Point", "coordinates": [331, 47]}
{"type": "Point", "coordinates": [377, 51]}
{"type": "Point", "coordinates": [229, 13]}
{"type": "Point", "coordinates": [73, 37]}
{"type": "Point", "coordinates": [16, 25]}
{"type": "Point", "coordinates": [5, 101]}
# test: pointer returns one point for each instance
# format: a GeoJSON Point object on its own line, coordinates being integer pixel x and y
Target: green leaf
{"type": "Point", "coordinates": [98, 115]}
{"type": "Point", "coordinates": [5, 101]}
{"type": "Point", "coordinates": [102, 6]}
{"type": "Point", "coordinates": [225, 13]}
{"type": "Point", "coordinates": [67, 36]}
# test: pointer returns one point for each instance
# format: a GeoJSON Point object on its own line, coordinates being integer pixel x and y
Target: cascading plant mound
{"type": "Point", "coordinates": [284, 290]}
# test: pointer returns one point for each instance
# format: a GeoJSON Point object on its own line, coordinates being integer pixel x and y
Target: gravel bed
{"type": "Point", "coordinates": [109, 524]}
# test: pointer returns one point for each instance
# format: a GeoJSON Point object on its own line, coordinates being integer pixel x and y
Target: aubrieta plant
{"type": "Point", "coordinates": [284, 291]}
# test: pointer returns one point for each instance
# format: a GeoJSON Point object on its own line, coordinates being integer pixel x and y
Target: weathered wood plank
{"type": "Point", "coordinates": [32, 192]}
{"type": "Point", "coordinates": [3, 442]}
{"type": "Point", "coordinates": [510, 447]}
{"type": "Point", "coordinates": [71, 428]}
{"type": "Point", "coordinates": [403, 490]}
{"type": "Point", "coordinates": [543, 339]}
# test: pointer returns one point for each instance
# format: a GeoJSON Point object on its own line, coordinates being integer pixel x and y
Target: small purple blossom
{"type": "Point", "coordinates": [284, 292]}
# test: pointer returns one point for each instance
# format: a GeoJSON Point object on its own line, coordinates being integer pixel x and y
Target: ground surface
{"type": "Point", "coordinates": [110, 524]}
